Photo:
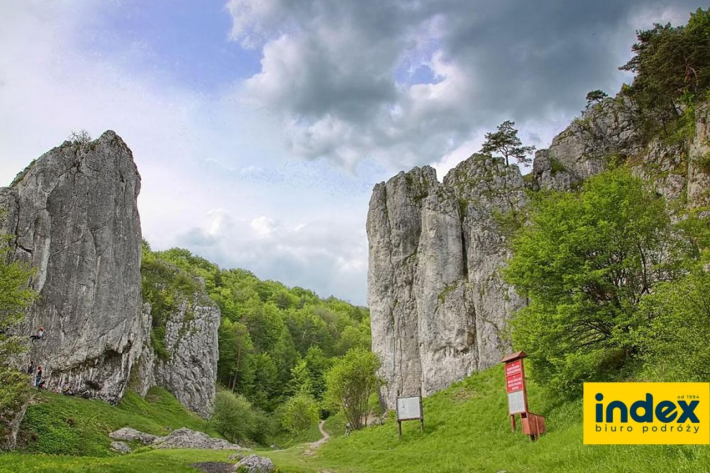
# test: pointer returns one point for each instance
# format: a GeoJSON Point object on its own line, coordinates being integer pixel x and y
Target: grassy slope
{"type": "Point", "coordinates": [59, 424]}
{"type": "Point", "coordinates": [467, 430]}
{"type": "Point", "coordinates": [148, 462]}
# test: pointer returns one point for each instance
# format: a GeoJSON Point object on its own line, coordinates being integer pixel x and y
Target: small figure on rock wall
{"type": "Point", "coordinates": [39, 335]}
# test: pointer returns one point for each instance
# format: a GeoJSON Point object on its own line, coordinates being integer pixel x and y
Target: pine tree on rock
{"type": "Point", "coordinates": [505, 142]}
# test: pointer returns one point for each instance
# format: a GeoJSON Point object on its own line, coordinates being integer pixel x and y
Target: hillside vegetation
{"type": "Point", "coordinates": [467, 429]}
{"type": "Point", "coordinates": [274, 341]}
{"type": "Point", "coordinates": [66, 425]}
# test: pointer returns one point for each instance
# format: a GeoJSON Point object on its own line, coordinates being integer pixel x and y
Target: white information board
{"type": "Point", "coordinates": [516, 402]}
{"type": "Point", "coordinates": [409, 408]}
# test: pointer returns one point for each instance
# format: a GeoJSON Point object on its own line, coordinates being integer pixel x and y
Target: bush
{"type": "Point", "coordinates": [584, 262]}
{"type": "Point", "coordinates": [14, 393]}
{"type": "Point", "coordinates": [237, 420]}
{"type": "Point", "coordinates": [350, 383]}
{"type": "Point", "coordinates": [675, 344]}
{"type": "Point", "coordinates": [299, 413]}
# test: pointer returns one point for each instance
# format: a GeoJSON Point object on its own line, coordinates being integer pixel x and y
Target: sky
{"type": "Point", "coordinates": [260, 127]}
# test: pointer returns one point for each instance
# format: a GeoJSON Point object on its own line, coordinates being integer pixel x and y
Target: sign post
{"type": "Point", "coordinates": [532, 424]}
{"type": "Point", "coordinates": [410, 408]}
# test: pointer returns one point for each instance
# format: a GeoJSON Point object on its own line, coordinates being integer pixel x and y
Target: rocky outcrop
{"type": "Point", "coordinates": [698, 175]}
{"type": "Point", "coordinates": [605, 131]}
{"type": "Point", "coordinates": [186, 438]}
{"type": "Point", "coordinates": [120, 447]}
{"type": "Point", "coordinates": [188, 365]}
{"type": "Point", "coordinates": [75, 219]}
{"type": "Point", "coordinates": [437, 301]}
{"type": "Point", "coordinates": [180, 438]}
{"type": "Point", "coordinates": [72, 214]}
{"type": "Point", "coordinates": [606, 134]}
{"type": "Point", "coordinates": [10, 420]}
{"type": "Point", "coordinates": [131, 435]}
{"type": "Point", "coordinates": [438, 304]}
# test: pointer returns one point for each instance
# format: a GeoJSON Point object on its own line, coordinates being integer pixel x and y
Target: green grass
{"type": "Point", "coordinates": [335, 425]}
{"type": "Point", "coordinates": [67, 425]}
{"type": "Point", "coordinates": [287, 440]}
{"type": "Point", "coordinates": [148, 462]}
{"type": "Point", "coordinates": [467, 430]}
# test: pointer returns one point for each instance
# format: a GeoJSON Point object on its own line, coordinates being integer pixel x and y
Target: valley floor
{"type": "Point", "coordinates": [466, 430]}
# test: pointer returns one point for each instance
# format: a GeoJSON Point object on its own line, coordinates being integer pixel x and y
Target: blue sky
{"type": "Point", "coordinates": [260, 126]}
{"type": "Point", "coordinates": [187, 39]}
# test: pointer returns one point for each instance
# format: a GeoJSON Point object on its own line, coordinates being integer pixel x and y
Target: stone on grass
{"type": "Point", "coordinates": [186, 438]}
{"type": "Point", "coordinates": [120, 447]}
{"type": "Point", "coordinates": [128, 434]}
{"type": "Point", "coordinates": [255, 464]}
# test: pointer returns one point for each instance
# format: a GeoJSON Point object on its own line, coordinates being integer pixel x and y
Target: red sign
{"type": "Point", "coordinates": [533, 424]}
{"type": "Point", "coordinates": [514, 383]}
{"type": "Point", "coordinates": [515, 367]}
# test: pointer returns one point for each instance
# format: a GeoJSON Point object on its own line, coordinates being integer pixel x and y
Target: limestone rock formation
{"type": "Point", "coordinates": [438, 304]}
{"type": "Point", "coordinates": [129, 435]}
{"type": "Point", "coordinates": [10, 421]}
{"type": "Point", "coordinates": [189, 369]}
{"type": "Point", "coordinates": [186, 438]}
{"type": "Point", "coordinates": [72, 214]}
{"type": "Point", "coordinates": [76, 221]}
{"type": "Point", "coordinates": [437, 301]}
{"type": "Point", "coordinates": [604, 131]}
{"type": "Point", "coordinates": [120, 447]}
{"type": "Point", "coordinates": [180, 438]}
{"type": "Point", "coordinates": [606, 134]}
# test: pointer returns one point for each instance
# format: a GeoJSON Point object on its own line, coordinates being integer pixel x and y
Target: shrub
{"type": "Point", "coordinates": [299, 413]}
{"type": "Point", "coordinates": [350, 383]}
{"type": "Point", "coordinates": [675, 342]}
{"type": "Point", "coordinates": [237, 420]}
{"type": "Point", "coordinates": [584, 262]}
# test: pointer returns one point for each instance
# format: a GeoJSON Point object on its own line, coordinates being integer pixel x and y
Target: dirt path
{"type": "Point", "coordinates": [312, 447]}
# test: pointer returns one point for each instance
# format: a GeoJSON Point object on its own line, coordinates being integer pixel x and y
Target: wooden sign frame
{"type": "Point", "coordinates": [532, 424]}
{"type": "Point", "coordinates": [420, 418]}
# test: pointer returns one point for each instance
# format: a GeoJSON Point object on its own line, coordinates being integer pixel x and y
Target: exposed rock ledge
{"type": "Point", "coordinates": [180, 438]}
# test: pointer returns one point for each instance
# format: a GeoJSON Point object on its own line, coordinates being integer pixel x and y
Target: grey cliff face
{"type": "Point", "coordinates": [72, 214]}
{"type": "Point", "coordinates": [76, 221]}
{"type": "Point", "coordinates": [190, 371]}
{"type": "Point", "coordinates": [438, 305]}
{"type": "Point", "coordinates": [604, 130]}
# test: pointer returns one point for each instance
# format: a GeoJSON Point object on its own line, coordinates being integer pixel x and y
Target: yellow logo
{"type": "Point", "coordinates": [647, 413]}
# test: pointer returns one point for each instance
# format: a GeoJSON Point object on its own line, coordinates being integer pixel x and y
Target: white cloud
{"type": "Point", "coordinates": [336, 82]}
{"type": "Point", "coordinates": [324, 254]}
{"type": "Point", "coordinates": [207, 159]}
{"type": "Point", "coordinates": [338, 73]}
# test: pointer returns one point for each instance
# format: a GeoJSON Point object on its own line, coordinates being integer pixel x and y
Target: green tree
{"type": "Point", "coordinates": [506, 143]}
{"type": "Point", "coordinates": [672, 65]}
{"type": "Point", "coordinates": [15, 297]}
{"type": "Point", "coordinates": [235, 348]}
{"type": "Point", "coordinates": [266, 392]}
{"type": "Point", "coordinates": [350, 383]}
{"type": "Point", "coordinates": [299, 413]}
{"type": "Point", "coordinates": [675, 342]}
{"type": "Point", "coordinates": [584, 262]}
{"type": "Point", "coordinates": [595, 96]}
{"type": "Point", "coordinates": [301, 381]}
{"type": "Point", "coordinates": [318, 365]}
{"type": "Point", "coordinates": [236, 419]}
{"type": "Point", "coordinates": [353, 337]}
